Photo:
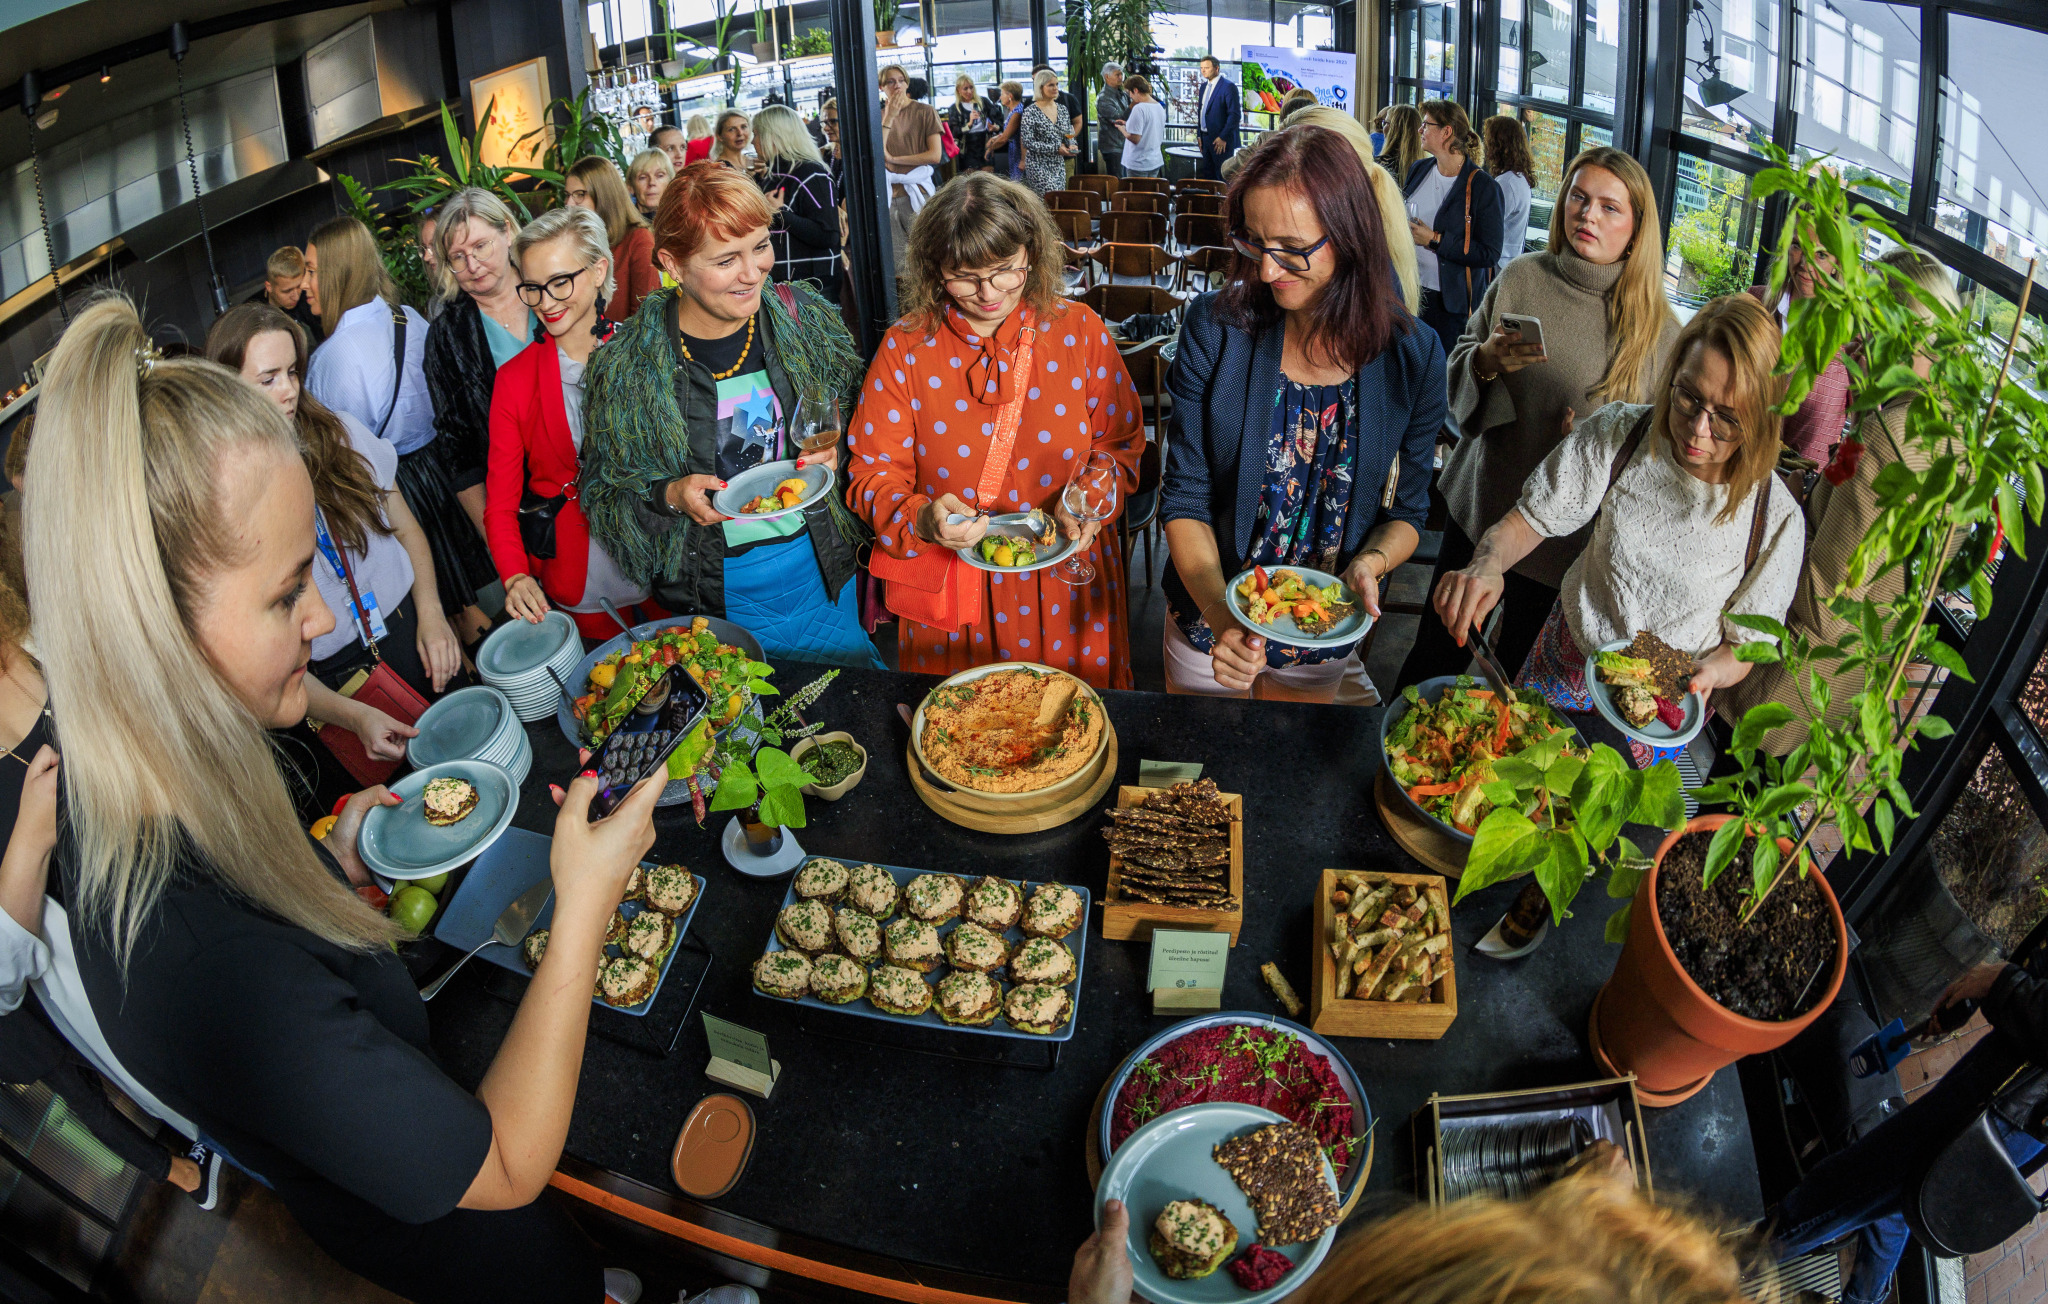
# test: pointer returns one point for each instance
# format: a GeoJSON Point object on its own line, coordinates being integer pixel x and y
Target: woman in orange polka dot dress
{"type": "Point", "coordinates": [983, 285]}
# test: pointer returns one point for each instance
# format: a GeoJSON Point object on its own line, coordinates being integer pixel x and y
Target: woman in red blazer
{"type": "Point", "coordinates": [537, 427]}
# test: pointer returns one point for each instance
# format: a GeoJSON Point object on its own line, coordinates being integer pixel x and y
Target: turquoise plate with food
{"type": "Point", "coordinates": [1655, 733]}
{"type": "Point", "coordinates": [1016, 527]}
{"type": "Point", "coordinates": [405, 842]}
{"type": "Point", "coordinates": [1338, 619]}
{"type": "Point", "coordinates": [1169, 1162]}
{"type": "Point", "coordinates": [1423, 737]}
{"type": "Point", "coordinates": [751, 495]}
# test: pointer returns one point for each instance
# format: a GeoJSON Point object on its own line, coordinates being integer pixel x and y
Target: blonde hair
{"type": "Point", "coordinates": [646, 161]}
{"type": "Point", "coordinates": [1015, 90]}
{"type": "Point", "coordinates": [470, 204]}
{"type": "Point", "coordinates": [899, 70]}
{"type": "Point", "coordinates": [1637, 310]}
{"type": "Point", "coordinates": [581, 227]}
{"type": "Point", "coordinates": [1385, 189]}
{"type": "Point", "coordinates": [697, 127]}
{"type": "Point", "coordinates": [1746, 333]}
{"type": "Point", "coordinates": [159, 754]}
{"type": "Point", "coordinates": [978, 220]}
{"type": "Point", "coordinates": [1404, 140]}
{"type": "Point", "coordinates": [1926, 271]}
{"type": "Point", "coordinates": [973, 92]}
{"type": "Point", "coordinates": [779, 134]}
{"type": "Point", "coordinates": [351, 271]}
{"type": "Point", "coordinates": [1587, 1238]}
{"type": "Point", "coordinates": [608, 196]}
{"type": "Point", "coordinates": [1040, 78]}
{"type": "Point", "coordinates": [285, 263]}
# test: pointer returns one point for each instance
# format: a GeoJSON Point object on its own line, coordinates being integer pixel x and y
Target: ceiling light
{"type": "Point", "coordinates": [46, 119]}
{"type": "Point", "coordinates": [56, 94]}
{"type": "Point", "coordinates": [105, 76]}
{"type": "Point", "coordinates": [1715, 92]}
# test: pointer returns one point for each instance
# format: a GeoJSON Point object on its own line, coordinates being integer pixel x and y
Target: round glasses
{"type": "Point", "coordinates": [1293, 260]}
{"type": "Point", "coordinates": [476, 258]}
{"type": "Point", "coordinates": [1723, 428]}
{"type": "Point", "coordinates": [1002, 282]}
{"type": "Point", "coordinates": [557, 288]}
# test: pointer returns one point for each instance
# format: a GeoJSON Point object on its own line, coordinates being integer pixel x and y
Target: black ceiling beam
{"type": "Point", "coordinates": [160, 43]}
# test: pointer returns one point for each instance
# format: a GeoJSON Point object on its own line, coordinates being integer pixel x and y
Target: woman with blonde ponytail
{"type": "Point", "coordinates": [232, 969]}
{"type": "Point", "coordinates": [1607, 330]}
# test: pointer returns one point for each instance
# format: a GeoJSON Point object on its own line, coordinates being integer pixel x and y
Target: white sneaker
{"type": "Point", "coordinates": [622, 1286]}
{"type": "Point", "coordinates": [730, 1293]}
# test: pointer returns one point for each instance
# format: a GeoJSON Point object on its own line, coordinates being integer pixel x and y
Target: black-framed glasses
{"type": "Point", "coordinates": [557, 288]}
{"type": "Point", "coordinates": [1723, 428]}
{"type": "Point", "coordinates": [1002, 281]}
{"type": "Point", "coordinates": [1293, 260]}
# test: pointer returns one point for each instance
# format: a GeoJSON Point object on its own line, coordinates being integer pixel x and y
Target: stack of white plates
{"type": "Point", "coordinates": [517, 657]}
{"type": "Point", "coordinates": [472, 724]}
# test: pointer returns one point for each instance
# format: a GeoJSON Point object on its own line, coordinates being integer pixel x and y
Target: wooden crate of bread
{"type": "Point", "coordinates": [1387, 928]}
{"type": "Point", "coordinates": [1125, 916]}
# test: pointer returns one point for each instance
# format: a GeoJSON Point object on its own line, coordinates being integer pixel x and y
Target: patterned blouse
{"type": "Point", "coordinates": [1045, 168]}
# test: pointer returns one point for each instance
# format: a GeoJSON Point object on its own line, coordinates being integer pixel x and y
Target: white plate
{"type": "Point", "coordinates": [1011, 523]}
{"type": "Point", "coordinates": [1653, 734]}
{"type": "Point", "coordinates": [1346, 631]}
{"type": "Point", "coordinates": [1170, 1159]}
{"type": "Point", "coordinates": [994, 667]}
{"type": "Point", "coordinates": [751, 484]}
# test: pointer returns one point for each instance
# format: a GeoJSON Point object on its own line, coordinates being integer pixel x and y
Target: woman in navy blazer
{"type": "Point", "coordinates": [1306, 409]}
{"type": "Point", "coordinates": [1457, 244]}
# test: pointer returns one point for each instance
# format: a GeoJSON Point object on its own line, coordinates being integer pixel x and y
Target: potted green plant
{"type": "Point", "coordinates": [764, 36]}
{"type": "Point", "coordinates": [578, 131]}
{"type": "Point", "coordinates": [429, 183]}
{"type": "Point", "coordinates": [885, 21]}
{"type": "Point", "coordinates": [1753, 898]}
{"type": "Point", "coordinates": [400, 252]}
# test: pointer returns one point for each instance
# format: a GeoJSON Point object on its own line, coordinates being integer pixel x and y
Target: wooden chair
{"type": "Point", "coordinates": [1076, 227]}
{"type": "Point", "coordinates": [1151, 185]}
{"type": "Point", "coordinates": [1199, 231]}
{"type": "Point", "coordinates": [1082, 257]}
{"type": "Point", "coordinates": [1138, 201]}
{"type": "Point", "coordinates": [1134, 228]}
{"type": "Point", "coordinates": [1081, 201]}
{"type": "Point", "coordinates": [1187, 185]}
{"type": "Point", "coordinates": [1198, 201]}
{"type": "Point", "coordinates": [1140, 518]}
{"type": "Point", "coordinates": [1117, 302]}
{"type": "Point", "coordinates": [1105, 187]}
{"type": "Point", "coordinates": [1209, 262]}
{"type": "Point", "coordinates": [1136, 260]}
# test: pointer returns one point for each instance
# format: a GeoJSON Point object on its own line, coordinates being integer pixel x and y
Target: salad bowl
{"type": "Point", "coordinates": [1432, 691]}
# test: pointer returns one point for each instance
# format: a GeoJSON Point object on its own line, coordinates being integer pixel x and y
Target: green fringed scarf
{"type": "Point", "coordinates": [634, 431]}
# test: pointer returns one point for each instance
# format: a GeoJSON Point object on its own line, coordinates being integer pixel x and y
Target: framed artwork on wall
{"type": "Point", "coordinates": [518, 99]}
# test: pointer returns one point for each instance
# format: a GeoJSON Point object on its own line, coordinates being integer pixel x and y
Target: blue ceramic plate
{"type": "Point", "coordinates": [1342, 634]}
{"type": "Point", "coordinates": [516, 649]}
{"type": "Point", "coordinates": [1077, 942]}
{"type": "Point", "coordinates": [461, 726]}
{"type": "Point", "coordinates": [751, 484]}
{"type": "Point", "coordinates": [1170, 1159]}
{"type": "Point", "coordinates": [513, 864]}
{"type": "Point", "coordinates": [398, 843]}
{"type": "Point", "coordinates": [1361, 1108]}
{"type": "Point", "coordinates": [1012, 524]}
{"type": "Point", "coordinates": [1431, 690]}
{"type": "Point", "coordinates": [1654, 733]}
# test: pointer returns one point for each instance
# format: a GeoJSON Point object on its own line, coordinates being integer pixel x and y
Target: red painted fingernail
{"type": "Point", "coordinates": [723, 485]}
{"type": "Point", "coordinates": [589, 774]}
{"type": "Point", "coordinates": [555, 788]}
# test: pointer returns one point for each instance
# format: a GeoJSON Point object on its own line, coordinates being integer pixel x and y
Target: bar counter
{"type": "Point", "coordinates": [929, 1177]}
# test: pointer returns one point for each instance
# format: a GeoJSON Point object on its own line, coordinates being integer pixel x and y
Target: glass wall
{"type": "Point", "coordinates": [1859, 85]}
{"type": "Point", "coordinates": [1741, 36]}
{"type": "Point", "coordinates": [1993, 161]}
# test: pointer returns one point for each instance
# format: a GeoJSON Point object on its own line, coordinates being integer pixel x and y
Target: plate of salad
{"type": "Point", "coordinates": [1640, 686]}
{"type": "Point", "coordinates": [721, 656]}
{"type": "Point", "coordinates": [1298, 606]}
{"type": "Point", "coordinates": [1441, 738]}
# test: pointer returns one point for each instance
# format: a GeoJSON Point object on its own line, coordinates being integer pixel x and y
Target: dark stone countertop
{"type": "Point", "coordinates": [884, 1150]}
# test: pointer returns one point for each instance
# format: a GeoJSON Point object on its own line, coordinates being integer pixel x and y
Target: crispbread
{"type": "Point", "coordinates": [1279, 1167]}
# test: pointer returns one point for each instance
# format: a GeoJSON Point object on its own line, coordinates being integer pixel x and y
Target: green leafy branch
{"type": "Point", "coordinates": [430, 182]}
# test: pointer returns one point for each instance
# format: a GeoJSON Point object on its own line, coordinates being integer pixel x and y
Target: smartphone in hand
{"type": "Point", "coordinates": [641, 744]}
{"type": "Point", "coordinates": [1529, 328]}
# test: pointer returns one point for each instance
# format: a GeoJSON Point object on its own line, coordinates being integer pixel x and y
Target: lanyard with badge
{"type": "Point", "coordinates": [363, 612]}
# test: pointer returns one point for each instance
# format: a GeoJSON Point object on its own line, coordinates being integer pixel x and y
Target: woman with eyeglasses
{"type": "Point", "coordinates": [1597, 296]}
{"type": "Point", "coordinates": [1307, 402]}
{"type": "Point", "coordinates": [985, 398]}
{"type": "Point", "coordinates": [1689, 524]}
{"type": "Point", "coordinates": [565, 269]}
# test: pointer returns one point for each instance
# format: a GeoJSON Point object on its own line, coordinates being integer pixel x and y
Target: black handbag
{"type": "Point", "coordinates": [1971, 1197]}
{"type": "Point", "coordinates": [537, 522]}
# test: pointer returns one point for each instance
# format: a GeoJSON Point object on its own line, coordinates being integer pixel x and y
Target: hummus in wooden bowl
{"type": "Point", "coordinates": [1011, 731]}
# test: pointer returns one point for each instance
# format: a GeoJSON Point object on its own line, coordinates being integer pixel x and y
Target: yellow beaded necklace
{"type": "Point", "coordinates": [733, 370]}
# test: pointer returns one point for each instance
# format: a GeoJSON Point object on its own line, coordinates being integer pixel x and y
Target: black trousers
{"type": "Point", "coordinates": [1447, 325]}
{"type": "Point", "coordinates": [1209, 167]}
{"type": "Point", "coordinates": [1525, 605]}
{"type": "Point", "coordinates": [32, 1050]}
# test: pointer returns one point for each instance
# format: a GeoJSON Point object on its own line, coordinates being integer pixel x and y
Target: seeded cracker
{"type": "Point", "coordinates": [1279, 1168]}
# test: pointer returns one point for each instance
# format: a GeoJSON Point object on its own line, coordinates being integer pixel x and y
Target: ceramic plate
{"type": "Point", "coordinates": [463, 725]}
{"type": "Point", "coordinates": [1653, 734]}
{"type": "Point", "coordinates": [1343, 634]}
{"type": "Point", "coordinates": [512, 865]}
{"type": "Point", "coordinates": [748, 485]}
{"type": "Point", "coordinates": [398, 843]}
{"type": "Point", "coordinates": [1170, 1159]}
{"type": "Point", "coordinates": [516, 649]}
{"type": "Point", "coordinates": [579, 678]}
{"type": "Point", "coordinates": [1012, 524]}
{"type": "Point", "coordinates": [917, 729]}
{"type": "Point", "coordinates": [1430, 690]}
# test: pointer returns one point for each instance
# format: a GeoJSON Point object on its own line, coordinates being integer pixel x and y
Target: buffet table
{"type": "Point", "coordinates": [928, 1176]}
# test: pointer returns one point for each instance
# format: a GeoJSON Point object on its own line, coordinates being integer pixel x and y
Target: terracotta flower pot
{"type": "Point", "coordinates": [1653, 1020]}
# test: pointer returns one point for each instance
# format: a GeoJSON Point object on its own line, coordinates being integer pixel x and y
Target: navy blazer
{"type": "Point", "coordinates": [1464, 275]}
{"type": "Point", "coordinates": [1223, 117]}
{"type": "Point", "coordinates": [1224, 381]}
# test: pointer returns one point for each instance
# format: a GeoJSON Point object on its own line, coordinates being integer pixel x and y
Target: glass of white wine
{"type": "Point", "coordinates": [1091, 495]}
{"type": "Point", "coordinates": [815, 425]}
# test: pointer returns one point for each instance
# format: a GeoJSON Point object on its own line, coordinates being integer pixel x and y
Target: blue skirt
{"type": "Point", "coordinates": [777, 593]}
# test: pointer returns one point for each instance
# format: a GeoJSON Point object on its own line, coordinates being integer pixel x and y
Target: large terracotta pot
{"type": "Point", "coordinates": [1652, 1019]}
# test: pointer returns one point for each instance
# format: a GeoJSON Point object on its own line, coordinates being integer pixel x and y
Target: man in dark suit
{"type": "Point", "coordinates": [1217, 119]}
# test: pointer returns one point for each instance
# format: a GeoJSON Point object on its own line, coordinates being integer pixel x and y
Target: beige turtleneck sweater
{"type": "Point", "coordinates": [1511, 422]}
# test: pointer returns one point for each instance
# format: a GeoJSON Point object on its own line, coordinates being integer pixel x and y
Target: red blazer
{"type": "Point", "coordinates": [698, 150]}
{"type": "Point", "coordinates": [531, 447]}
{"type": "Point", "coordinates": [633, 272]}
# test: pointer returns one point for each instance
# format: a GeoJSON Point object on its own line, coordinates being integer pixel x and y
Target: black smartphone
{"type": "Point", "coordinates": [641, 743]}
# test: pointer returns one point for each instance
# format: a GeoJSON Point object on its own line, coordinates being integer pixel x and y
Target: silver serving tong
{"type": "Point", "coordinates": [1489, 664]}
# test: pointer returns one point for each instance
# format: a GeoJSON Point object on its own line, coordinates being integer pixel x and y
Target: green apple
{"type": "Point", "coordinates": [434, 884]}
{"type": "Point", "coordinates": [413, 907]}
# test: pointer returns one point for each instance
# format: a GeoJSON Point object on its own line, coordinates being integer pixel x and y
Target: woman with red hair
{"type": "Point", "coordinates": [1306, 408]}
{"type": "Point", "coordinates": [694, 390]}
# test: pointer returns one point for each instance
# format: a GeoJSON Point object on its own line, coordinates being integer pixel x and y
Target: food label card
{"type": "Point", "coordinates": [1182, 960]}
{"type": "Point", "coordinates": [1164, 774]}
{"type": "Point", "coordinates": [736, 1045]}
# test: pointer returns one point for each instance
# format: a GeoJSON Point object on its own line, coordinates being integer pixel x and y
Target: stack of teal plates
{"type": "Point", "coordinates": [517, 658]}
{"type": "Point", "coordinates": [472, 724]}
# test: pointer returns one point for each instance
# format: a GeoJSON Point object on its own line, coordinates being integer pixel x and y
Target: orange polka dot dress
{"type": "Point", "coordinates": [922, 430]}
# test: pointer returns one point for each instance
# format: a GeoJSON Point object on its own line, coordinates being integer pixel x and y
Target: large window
{"type": "Point", "coordinates": [1550, 49]}
{"type": "Point", "coordinates": [1993, 166]}
{"type": "Point", "coordinates": [1425, 50]}
{"type": "Point", "coordinates": [1859, 85]}
{"type": "Point", "coordinates": [1715, 226]}
{"type": "Point", "coordinates": [1731, 72]}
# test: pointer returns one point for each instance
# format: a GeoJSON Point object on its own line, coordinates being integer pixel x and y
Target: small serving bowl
{"type": "Point", "coordinates": [845, 785]}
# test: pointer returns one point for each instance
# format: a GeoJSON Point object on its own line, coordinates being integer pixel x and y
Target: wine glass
{"type": "Point", "coordinates": [815, 425]}
{"type": "Point", "coordinates": [1091, 495]}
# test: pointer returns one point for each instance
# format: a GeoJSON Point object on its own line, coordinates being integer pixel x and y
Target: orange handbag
{"type": "Point", "coordinates": [935, 587]}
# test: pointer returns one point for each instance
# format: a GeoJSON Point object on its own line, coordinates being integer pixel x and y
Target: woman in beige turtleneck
{"type": "Point", "coordinates": [1598, 292]}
